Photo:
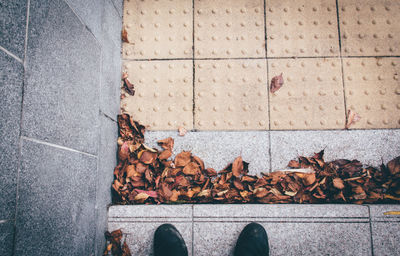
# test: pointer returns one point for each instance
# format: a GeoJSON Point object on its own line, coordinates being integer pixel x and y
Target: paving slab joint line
{"type": "Point", "coordinates": [11, 54]}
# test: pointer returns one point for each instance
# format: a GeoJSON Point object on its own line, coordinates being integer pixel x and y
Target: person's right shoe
{"type": "Point", "coordinates": [252, 241]}
{"type": "Point", "coordinates": [169, 242]}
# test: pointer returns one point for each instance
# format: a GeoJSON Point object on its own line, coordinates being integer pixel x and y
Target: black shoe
{"type": "Point", "coordinates": [169, 242]}
{"type": "Point", "coordinates": [253, 241]}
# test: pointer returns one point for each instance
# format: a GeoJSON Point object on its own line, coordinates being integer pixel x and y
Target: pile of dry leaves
{"type": "Point", "coordinates": [146, 175]}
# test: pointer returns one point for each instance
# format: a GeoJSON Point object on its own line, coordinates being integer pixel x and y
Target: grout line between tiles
{"type": "Point", "coordinates": [194, 69]}
{"type": "Point", "coordinates": [28, 5]}
{"type": "Point", "coordinates": [370, 231]}
{"type": "Point", "coordinates": [269, 58]}
{"type": "Point", "coordinates": [192, 230]}
{"type": "Point", "coordinates": [11, 54]}
{"type": "Point", "coordinates": [341, 61]}
{"type": "Point", "coordinates": [267, 85]}
{"type": "Point", "coordinates": [56, 146]}
{"type": "Point", "coordinates": [271, 221]}
{"type": "Point", "coordinates": [283, 130]}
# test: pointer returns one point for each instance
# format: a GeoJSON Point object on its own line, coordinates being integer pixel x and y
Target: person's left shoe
{"type": "Point", "coordinates": [169, 242]}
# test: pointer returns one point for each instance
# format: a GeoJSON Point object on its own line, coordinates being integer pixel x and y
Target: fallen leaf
{"type": "Point", "coordinates": [123, 152]}
{"type": "Point", "coordinates": [191, 169]}
{"type": "Point", "coordinates": [338, 183]}
{"type": "Point", "coordinates": [352, 117]}
{"type": "Point", "coordinates": [237, 166]}
{"type": "Point", "coordinates": [148, 157]}
{"type": "Point", "coordinates": [394, 166]}
{"type": "Point", "coordinates": [165, 154]}
{"type": "Point", "coordinates": [182, 159]}
{"type": "Point", "coordinates": [124, 35]}
{"type": "Point", "coordinates": [276, 83]}
{"type": "Point", "coordinates": [182, 131]}
{"type": "Point", "coordinates": [128, 86]}
{"type": "Point", "coordinates": [149, 193]}
{"type": "Point", "coordinates": [167, 143]}
{"type": "Point", "coordinates": [210, 172]}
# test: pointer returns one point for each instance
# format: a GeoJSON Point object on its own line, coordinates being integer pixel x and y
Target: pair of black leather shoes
{"type": "Point", "coordinates": [252, 241]}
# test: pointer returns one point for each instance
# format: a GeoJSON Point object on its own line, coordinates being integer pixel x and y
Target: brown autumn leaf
{"type": "Point", "coordinates": [125, 250]}
{"type": "Point", "coordinates": [210, 172]}
{"type": "Point", "coordinates": [294, 164]}
{"type": "Point", "coordinates": [352, 117]}
{"type": "Point", "coordinates": [167, 143]}
{"type": "Point", "coordinates": [174, 196]}
{"type": "Point", "coordinates": [165, 154]}
{"type": "Point", "coordinates": [124, 35]}
{"type": "Point", "coordinates": [309, 179]}
{"type": "Point", "coordinates": [131, 171]}
{"type": "Point", "coordinates": [182, 159]}
{"type": "Point", "coordinates": [199, 162]}
{"type": "Point", "coordinates": [128, 86]}
{"type": "Point", "coordinates": [148, 157]}
{"type": "Point", "coordinates": [338, 183]}
{"type": "Point", "coordinates": [149, 193]}
{"type": "Point", "coordinates": [238, 184]}
{"type": "Point", "coordinates": [394, 166]}
{"type": "Point", "coordinates": [237, 166]}
{"type": "Point", "coordinates": [191, 169]}
{"type": "Point", "coordinates": [123, 152]}
{"type": "Point", "coordinates": [182, 131]}
{"type": "Point", "coordinates": [260, 192]}
{"type": "Point", "coordinates": [276, 83]}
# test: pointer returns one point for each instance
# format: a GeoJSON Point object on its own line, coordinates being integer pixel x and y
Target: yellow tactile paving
{"type": "Point", "coordinates": [231, 95]}
{"type": "Point", "coordinates": [164, 93]}
{"type": "Point", "coordinates": [230, 74]}
{"type": "Point", "coordinates": [311, 96]}
{"type": "Point", "coordinates": [226, 29]}
{"type": "Point", "coordinates": [302, 28]}
{"type": "Point", "coordinates": [158, 29]}
{"type": "Point", "coordinates": [370, 27]}
{"type": "Point", "coordinates": [373, 91]}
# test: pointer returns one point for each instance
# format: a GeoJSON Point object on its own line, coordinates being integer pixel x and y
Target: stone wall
{"type": "Point", "coordinates": [59, 89]}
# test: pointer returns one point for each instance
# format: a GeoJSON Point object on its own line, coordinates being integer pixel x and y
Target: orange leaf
{"type": "Point", "coordinates": [167, 143]}
{"type": "Point", "coordinates": [124, 36]}
{"type": "Point", "coordinates": [165, 154]}
{"type": "Point", "coordinates": [352, 117]}
{"type": "Point", "coordinates": [182, 131]}
{"type": "Point", "coordinates": [182, 159]}
{"type": "Point", "coordinates": [237, 166]}
{"type": "Point", "coordinates": [338, 183]}
{"type": "Point", "coordinates": [191, 169]}
{"type": "Point", "coordinates": [148, 157]}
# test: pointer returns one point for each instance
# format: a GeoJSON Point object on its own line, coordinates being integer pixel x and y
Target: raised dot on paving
{"type": "Point", "coordinates": [301, 28]}
{"type": "Point", "coordinates": [231, 95]}
{"type": "Point", "coordinates": [311, 96]}
{"type": "Point", "coordinates": [164, 93]}
{"type": "Point", "coordinates": [370, 28]}
{"type": "Point", "coordinates": [158, 30]}
{"type": "Point", "coordinates": [373, 91]}
{"type": "Point", "coordinates": [229, 30]}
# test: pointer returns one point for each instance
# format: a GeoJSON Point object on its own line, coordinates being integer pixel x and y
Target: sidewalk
{"type": "Point", "coordinates": [292, 229]}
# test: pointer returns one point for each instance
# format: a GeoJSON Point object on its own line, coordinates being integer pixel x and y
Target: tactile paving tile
{"type": "Point", "coordinates": [311, 96]}
{"type": "Point", "coordinates": [226, 29]}
{"type": "Point", "coordinates": [231, 95]}
{"type": "Point", "coordinates": [370, 27]}
{"type": "Point", "coordinates": [372, 90]}
{"type": "Point", "coordinates": [301, 28]}
{"type": "Point", "coordinates": [158, 29]}
{"type": "Point", "coordinates": [164, 93]}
